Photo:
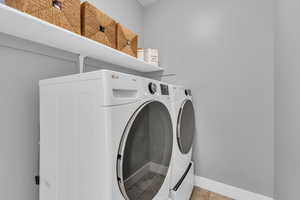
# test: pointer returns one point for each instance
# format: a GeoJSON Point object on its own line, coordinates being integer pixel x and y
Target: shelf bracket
{"type": "Point", "coordinates": [81, 63]}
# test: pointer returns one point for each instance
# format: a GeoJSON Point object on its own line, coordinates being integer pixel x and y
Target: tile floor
{"type": "Point", "coordinates": [201, 194]}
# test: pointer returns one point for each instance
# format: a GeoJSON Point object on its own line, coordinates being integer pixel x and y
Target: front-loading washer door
{"type": "Point", "coordinates": [186, 126]}
{"type": "Point", "coordinates": [145, 152]}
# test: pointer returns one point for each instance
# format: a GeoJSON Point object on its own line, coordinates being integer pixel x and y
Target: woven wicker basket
{"type": "Point", "coordinates": [63, 13]}
{"type": "Point", "coordinates": [98, 26]}
{"type": "Point", "coordinates": [127, 41]}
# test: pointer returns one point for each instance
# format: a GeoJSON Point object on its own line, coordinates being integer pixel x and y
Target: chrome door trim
{"type": "Point", "coordinates": [179, 126]}
{"type": "Point", "coordinates": [122, 148]}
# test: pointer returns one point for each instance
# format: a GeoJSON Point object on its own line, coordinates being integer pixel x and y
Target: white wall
{"type": "Point", "coordinates": [223, 51]}
{"type": "Point", "coordinates": [287, 101]}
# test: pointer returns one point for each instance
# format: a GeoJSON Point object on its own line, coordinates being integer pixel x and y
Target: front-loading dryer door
{"type": "Point", "coordinates": [145, 152]}
{"type": "Point", "coordinates": [186, 126]}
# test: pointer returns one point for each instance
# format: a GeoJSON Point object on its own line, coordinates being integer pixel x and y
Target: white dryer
{"type": "Point", "coordinates": [105, 135]}
{"type": "Point", "coordinates": [182, 178]}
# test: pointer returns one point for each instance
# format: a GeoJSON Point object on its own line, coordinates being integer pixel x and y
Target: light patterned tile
{"type": "Point", "coordinates": [214, 196]}
{"type": "Point", "coordinates": [202, 194]}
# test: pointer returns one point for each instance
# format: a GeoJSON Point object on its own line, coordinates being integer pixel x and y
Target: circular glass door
{"type": "Point", "coordinates": [145, 152]}
{"type": "Point", "coordinates": [186, 126]}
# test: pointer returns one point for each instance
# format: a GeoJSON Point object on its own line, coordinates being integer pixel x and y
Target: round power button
{"type": "Point", "coordinates": [152, 88]}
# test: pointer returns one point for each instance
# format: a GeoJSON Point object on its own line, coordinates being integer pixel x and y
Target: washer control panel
{"type": "Point", "coordinates": [164, 89]}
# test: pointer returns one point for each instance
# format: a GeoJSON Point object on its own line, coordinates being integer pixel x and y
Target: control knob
{"type": "Point", "coordinates": [152, 88]}
{"type": "Point", "coordinates": [186, 92]}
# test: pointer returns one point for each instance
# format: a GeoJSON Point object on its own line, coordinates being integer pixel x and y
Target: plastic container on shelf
{"type": "Point", "coordinates": [151, 56]}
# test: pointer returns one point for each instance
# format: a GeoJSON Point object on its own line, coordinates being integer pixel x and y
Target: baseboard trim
{"type": "Point", "coordinates": [228, 190]}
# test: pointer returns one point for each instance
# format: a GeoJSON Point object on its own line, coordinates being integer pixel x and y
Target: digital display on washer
{"type": "Point", "coordinates": [164, 89]}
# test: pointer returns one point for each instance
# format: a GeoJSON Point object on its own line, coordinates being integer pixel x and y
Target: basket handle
{"type": "Point", "coordinates": [57, 4]}
{"type": "Point", "coordinates": [102, 29]}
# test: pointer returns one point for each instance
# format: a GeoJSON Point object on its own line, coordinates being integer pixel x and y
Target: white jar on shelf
{"type": "Point", "coordinates": [151, 56]}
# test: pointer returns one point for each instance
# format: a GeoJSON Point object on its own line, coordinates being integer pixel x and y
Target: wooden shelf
{"type": "Point", "coordinates": [22, 25]}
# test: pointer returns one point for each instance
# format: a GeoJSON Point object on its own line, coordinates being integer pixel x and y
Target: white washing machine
{"type": "Point", "coordinates": [182, 179]}
{"type": "Point", "coordinates": [105, 135]}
